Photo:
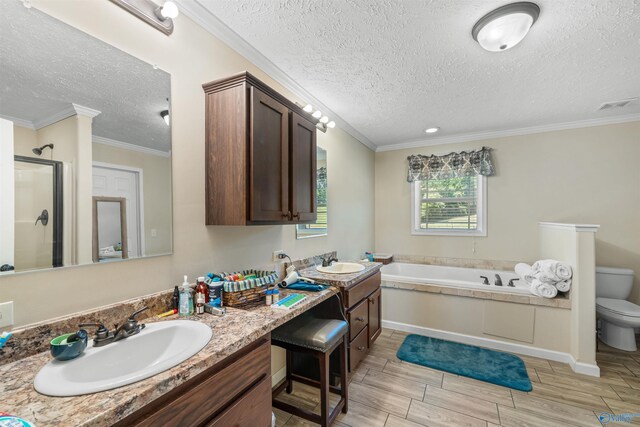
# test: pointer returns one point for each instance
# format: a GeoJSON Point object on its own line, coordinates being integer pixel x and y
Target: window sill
{"type": "Point", "coordinates": [453, 233]}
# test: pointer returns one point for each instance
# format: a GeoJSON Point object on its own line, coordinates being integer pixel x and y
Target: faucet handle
{"type": "Point", "coordinates": [101, 332]}
{"type": "Point", "coordinates": [485, 281]}
{"type": "Point", "coordinates": [511, 282]}
{"type": "Point", "coordinates": [132, 318]}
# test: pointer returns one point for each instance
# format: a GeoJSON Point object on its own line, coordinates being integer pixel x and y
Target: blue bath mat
{"type": "Point", "coordinates": [470, 361]}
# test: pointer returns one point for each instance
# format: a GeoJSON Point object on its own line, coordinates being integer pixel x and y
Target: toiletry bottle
{"type": "Point", "coordinates": [275, 295]}
{"type": "Point", "coordinates": [175, 300]}
{"type": "Point", "coordinates": [269, 294]}
{"type": "Point", "coordinates": [200, 304]}
{"type": "Point", "coordinates": [216, 292]}
{"type": "Point", "coordinates": [201, 288]}
{"type": "Point", "coordinates": [185, 296]}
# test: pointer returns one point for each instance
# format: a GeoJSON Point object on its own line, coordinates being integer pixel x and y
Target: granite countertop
{"type": "Point", "coordinates": [342, 280]}
{"type": "Point", "coordinates": [235, 330]}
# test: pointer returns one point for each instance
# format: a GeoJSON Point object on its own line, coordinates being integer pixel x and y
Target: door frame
{"type": "Point", "coordinates": [58, 205]}
{"type": "Point", "coordinates": [139, 184]}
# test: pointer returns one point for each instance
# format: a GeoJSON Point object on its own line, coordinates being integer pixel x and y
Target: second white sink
{"type": "Point", "coordinates": [341, 268]}
{"type": "Point", "coordinates": [158, 347]}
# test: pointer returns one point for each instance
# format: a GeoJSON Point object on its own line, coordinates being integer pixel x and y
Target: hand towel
{"type": "Point", "coordinates": [564, 286]}
{"type": "Point", "coordinates": [304, 286]}
{"type": "Point", "coordinates": [542, 289]}
{"type": "Point", "coordinates": [553, 269]}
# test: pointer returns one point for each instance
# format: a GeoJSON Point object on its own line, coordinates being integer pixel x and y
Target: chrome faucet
{"type": "Point", "coordinates": [498, 280]}
{"type": "Point", "coordinates": [129, 327]}
{"type": "Point", "coordinates": [327, 262]}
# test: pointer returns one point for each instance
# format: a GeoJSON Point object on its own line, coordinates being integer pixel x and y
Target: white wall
{"type": "Point", "coordinates": [193, 57]}
{"type": "Point", "coordinates": [588, 175]}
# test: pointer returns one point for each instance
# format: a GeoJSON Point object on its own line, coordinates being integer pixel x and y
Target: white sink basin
{"type": "Point", "coordinates": [341, 268]}
{"type": "Point", "coordinates": [158, 347]}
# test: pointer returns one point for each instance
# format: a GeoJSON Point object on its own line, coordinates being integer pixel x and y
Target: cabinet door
{"type": "Point", "coordinates": [375, 315]}
{"type": "Point", "coordinates": [269, 159]}
{"type": "Point", "coordinates": [303, 169]}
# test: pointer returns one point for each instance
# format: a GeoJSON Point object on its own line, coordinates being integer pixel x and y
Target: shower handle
{"type": "Point", "coordinates": [43, 218]}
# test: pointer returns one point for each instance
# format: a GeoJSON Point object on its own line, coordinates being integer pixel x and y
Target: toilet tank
{"type": "Point", "coordinates": [613, 283]}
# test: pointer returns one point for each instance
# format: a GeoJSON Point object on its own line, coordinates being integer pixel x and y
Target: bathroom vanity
{"type": "Point", "coordinates": [227, 383]}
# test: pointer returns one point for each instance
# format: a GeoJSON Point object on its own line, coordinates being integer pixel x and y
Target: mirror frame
{"type": "Point", "coordinates": [123, 225]}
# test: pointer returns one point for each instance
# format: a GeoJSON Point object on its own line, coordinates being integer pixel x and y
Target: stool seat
{"type": "Point", "coordinates": [310, 332]}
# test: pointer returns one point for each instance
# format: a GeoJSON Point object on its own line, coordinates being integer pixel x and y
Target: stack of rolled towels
{"type": "Point", "coordinates": [546, 277]}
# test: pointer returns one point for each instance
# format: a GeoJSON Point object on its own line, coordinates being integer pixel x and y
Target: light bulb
{"type": "Point", "coordinates": [331, 124]}
{"type": "Point", "coordinates": [432, 130]}
{"type": "Point", "coordinates": [324, 119]}
{"type": "Point", "coordinates": [169, 10]}
{"type": "Point", "coordinates": [317, 114]}
{"type": "Point", "coordinates": [308, 108]}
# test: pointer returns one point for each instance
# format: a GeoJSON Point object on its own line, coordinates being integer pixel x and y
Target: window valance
{"type": "Point", "coordinates": [452, 165]}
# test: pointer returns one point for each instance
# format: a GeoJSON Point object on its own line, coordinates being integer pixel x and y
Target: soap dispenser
{"type": "Point", "coordinates": [185, 299]}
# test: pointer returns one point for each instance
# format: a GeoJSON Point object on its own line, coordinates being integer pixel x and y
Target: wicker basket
{"type": "Point", "coordinates": [383, 258]}
{"type": "Point", "coordinates": [247, 293]}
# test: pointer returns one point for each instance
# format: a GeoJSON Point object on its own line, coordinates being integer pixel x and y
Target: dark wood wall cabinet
{"type": "Point", "coordinates": [260, 155]}
{"type": "Point", "coordinates": [235, 392]}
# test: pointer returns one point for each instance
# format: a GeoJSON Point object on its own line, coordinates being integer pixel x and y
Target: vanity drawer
{"type": "Point", "coordinates": [358, 349]}
{"type": "Point", "coordinates": [358, 319]}
{"type": "Point", "coordinates": [253, 409]}
{"type": "Point", "coordinates": [358, 292]}
{"type": "Point", "coordinates": [210, 393]}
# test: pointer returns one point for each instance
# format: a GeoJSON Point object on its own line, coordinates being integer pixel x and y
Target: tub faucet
{"type": "Point", "coordinates": [485, 280]}
{"type": "Point", "coordinates": [498, 280]}
{"type": "Point", "coordinates": [511, 282]}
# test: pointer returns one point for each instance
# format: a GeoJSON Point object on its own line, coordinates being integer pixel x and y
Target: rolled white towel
{"type": "Point", "coordinates": [553, 269]}
{"type": "Point", "coordinates": [543, 289]}
{"type": "Point", "coordinates": [524, 271]}
{"type": "Point", "coordinates": [564, 286]}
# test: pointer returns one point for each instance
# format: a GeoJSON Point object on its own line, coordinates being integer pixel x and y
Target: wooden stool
{"type": "Point", "coordinates": [317, 332]}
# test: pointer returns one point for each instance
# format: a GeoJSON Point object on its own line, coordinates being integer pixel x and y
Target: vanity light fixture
{"type": "Point", "coordinates": [331, 124]}
{"type": "Point", "coordinates": [317, 114]}
{"type": "Point", "coordinates": [165, 116]}
{"type": "Point", "coordinates": [308, 108]}
{"type": "Point", "coordinates": [324, 120]}
{"type": "Point", "coordinates": [432, 130]}
{"type": "Point", "coordinates": [506, 26]}
{"type": "Point", "coordinates": [159, 17]}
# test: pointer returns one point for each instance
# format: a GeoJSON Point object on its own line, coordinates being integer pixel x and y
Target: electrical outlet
{"type": "Point", "coordinates": [6, 314]}
{"type": "Point", "coordinates": [275, 255]}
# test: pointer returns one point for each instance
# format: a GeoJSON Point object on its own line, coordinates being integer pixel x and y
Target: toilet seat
{"type": "Point", "coordinates": [618, 306]}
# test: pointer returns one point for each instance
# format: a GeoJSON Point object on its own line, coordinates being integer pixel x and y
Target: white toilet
{"type": "Point", "coordinates": [618, 317]}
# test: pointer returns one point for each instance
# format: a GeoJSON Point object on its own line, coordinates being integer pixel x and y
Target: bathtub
{"type": "Point", "coordinates": [455, 277]}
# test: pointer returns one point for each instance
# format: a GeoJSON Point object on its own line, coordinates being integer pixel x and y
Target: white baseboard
{"type": "Point", "coordinates": [557, 356]}
{"type": "Point", "coordinates": [278, 376]}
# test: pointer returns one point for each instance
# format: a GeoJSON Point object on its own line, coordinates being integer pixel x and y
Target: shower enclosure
{"type": "Point", "coordinates": [38, 213]}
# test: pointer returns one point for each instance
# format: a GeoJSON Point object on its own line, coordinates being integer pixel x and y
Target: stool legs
{"type": "Point", "coordinates": [344, 392]}
{"type": "Point", "coordinates": [324, 389]}
{"type": "Point", "coordinates": [288, 370]}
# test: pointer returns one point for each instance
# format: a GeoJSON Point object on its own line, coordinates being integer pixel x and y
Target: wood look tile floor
{"type": "Point", "coordinates": [386, 392]}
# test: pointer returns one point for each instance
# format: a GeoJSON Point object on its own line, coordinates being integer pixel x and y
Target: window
{"type": "Point", "coordinates": [450, 207]}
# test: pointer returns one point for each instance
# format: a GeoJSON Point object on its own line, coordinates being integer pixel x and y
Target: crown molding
{"type": "Point", "coordinates": [128, 146]}
{"type": "Point", "coordinates": [477, 136]}
{"type": "Point", "coordinates": [81, 110]}
{"type": "Point", "coordinates": [71, 110]}
{"type": "Point", "coordinates": [19, 122]}
{"type": "Point", "coordinates": [207, 20]}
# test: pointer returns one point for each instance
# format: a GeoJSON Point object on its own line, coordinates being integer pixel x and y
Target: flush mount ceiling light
{"type": "Point", "coordinates": [432, 130]}
{"type": "Point", "coordinates": [165, 115]}
{"type": "Point", "coordinates": [159, 17]}
{"type": "Point", "coordinates": [505, 27]}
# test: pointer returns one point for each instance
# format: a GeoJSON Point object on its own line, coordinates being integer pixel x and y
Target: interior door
{"type": "Point", "coordinates": [303, 169]}
{"type": "Point", "coordinates": [110, 182]}
{"type": "Point", "coordinates": [269, 160]}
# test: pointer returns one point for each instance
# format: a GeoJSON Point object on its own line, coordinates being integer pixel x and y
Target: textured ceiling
{"type": "Point", "coordinates": [393, 68]}
{"type": "Point", "coordinates": [47, 65]}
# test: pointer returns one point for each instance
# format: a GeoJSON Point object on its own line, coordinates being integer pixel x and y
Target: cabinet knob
{"type": "Point", "coordinates": [286, 215]}
{"type": "Point", "coordinates": [372, 300]}
{"type": "Point", "coordinates": [360, 319]}
{"type": "Point", "coordinates": [296, 215]}
{"type": "Point", "coordinates": [361, 348]}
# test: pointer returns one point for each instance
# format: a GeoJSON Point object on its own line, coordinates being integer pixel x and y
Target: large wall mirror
{"type": "Point", "coordinates": [85, 148]}
{"type": "Point", "coordinates": [318, 228]}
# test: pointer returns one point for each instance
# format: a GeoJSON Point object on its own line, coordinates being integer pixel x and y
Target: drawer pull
{"type": "Point", "coordinates": [360, 319]}
{"type": "Point", "coordinates": [360, 348]}
{"type": "Point", "coordinates": [372, 300]}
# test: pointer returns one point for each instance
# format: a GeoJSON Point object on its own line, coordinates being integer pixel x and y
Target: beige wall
{"type": "Point", "coordinates": [156, 183]}
{"type": "Point", "coordinates": [193, 57]}
{"type": "Point", "coordinates": [587, 175]}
